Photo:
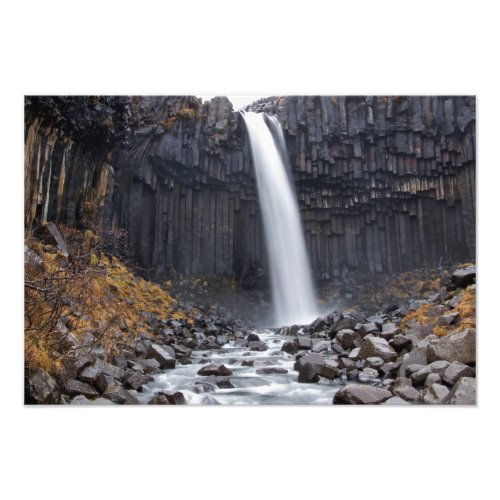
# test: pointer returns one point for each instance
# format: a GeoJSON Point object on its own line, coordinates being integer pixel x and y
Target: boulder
{"type": "Point", "coordinates": [459, 347]}
{"type": "Point", "coordinates": [255, 345]}
{"type": "Point", "coordinates": [89, 375]}
{"type": "Point", "coordinates": [367, 328]}
{"type": "Point", "coordinates": [321, 345]}
{"type": "Point", "coordinates": [42, 389]}
{"type": "Point", "coordinates": [361, 394]}
{"type": "Point", "coordinates": [290, 347]}
{"type": "Point", "coordinates": [117, 394]}
{"type": "Point", "coordinates": [435, 394]}
{"type": "Point", "coordinates": [167, 398]}
{"type": "Point", "coordinates": [304, 342]}
{"type": "Point", "coordinates": [463, 392]}
{"type": "Point", "coordinates": [376, 346]}
{"type": "Point", "coordinates": [416, 356]}
{"type": "Point", "coordinates": [271, 370]}
{"type": "Point", "coordinates": [109, 369]}
{"type": "Point", "coordinates": [308, 373]}
{"type": "Point", "coordinates": [221, 382]}
{"type": "Point", "coordinates": [368, 375]}
{"type": "Point", "coordinates": [395, 401]}
{"type": "Point", "coordinates": [433, 378]}
{"type": "Point", "coordinates": [161, 355]}
{"type": "Point", "coordinates": [407, 393]}
{"type": "Point", "coordinates": [80, 400]}
{"type": "Point", "coordinates": [103, 381]}
{"type": "Point", "coordinates": [464, 277]}
{"type": "Point", "coordinates": [136, 381]}
{"type": "Point", "coordinates": [75, 387]}
{"type": "Point", "coordinates": [456, 371]}
{"type": "Point", "coordinates": [345, 338]}
{"type": "Point", "coordinates": [400, 342]}
{"type": "Point", "coordinates": [374, 362]}
{"type": "Point", "coordinates": [448, 319]}
{"type": "Point", "coordinates": [216, 370]}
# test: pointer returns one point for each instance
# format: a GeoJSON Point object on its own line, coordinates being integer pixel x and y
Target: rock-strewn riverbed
{"type": "Point", "coordinates": [341, 358]}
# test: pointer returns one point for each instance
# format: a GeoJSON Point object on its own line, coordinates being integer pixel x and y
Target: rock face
{"type": "Point", "coordinates": [384, 183]}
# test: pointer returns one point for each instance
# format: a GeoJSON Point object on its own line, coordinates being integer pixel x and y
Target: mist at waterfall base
{"type": "Point", "coordinates": [291, 282]}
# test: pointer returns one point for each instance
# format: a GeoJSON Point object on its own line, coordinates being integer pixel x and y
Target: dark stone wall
{"type": "Point", "coordinates": [384, 183]}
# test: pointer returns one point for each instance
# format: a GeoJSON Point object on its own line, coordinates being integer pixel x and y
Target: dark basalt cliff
{"type": "Point", "coordinates": [384, 183]}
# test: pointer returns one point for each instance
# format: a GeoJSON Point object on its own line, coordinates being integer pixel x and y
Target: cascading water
{"type": "Point", "coordinates": [291, 283]}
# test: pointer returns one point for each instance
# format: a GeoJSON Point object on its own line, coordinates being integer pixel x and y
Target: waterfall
{"type": "Point", "coordinates": [291, 283]}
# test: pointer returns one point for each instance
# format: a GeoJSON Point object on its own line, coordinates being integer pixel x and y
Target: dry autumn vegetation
{"type": "Point", "coordinates": [88, 291]}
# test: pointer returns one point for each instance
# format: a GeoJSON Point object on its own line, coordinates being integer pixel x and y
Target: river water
{"type": "Point", "coordinates": [250, 387]}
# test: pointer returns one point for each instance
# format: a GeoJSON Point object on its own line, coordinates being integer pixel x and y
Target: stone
{"type": "Point", "coordinates": [464, 277]}
{"type": "Point", "coordinates": [42, 389]}
{"type": "Point", "coordinates": [117, 394]}
{"type": "Point", "coordinates": [420, 376]}
{"type": "Point", "coordinates": [257, 346]}
{"type": "Point", "coordinates": [217, 370]}
{"type": "Point", "coordinates": [352, 374]}
{"type": "Point", "coordinates": [321, 346]}
{"type": "Point", "coordinates": [463, 392]}
{"type": "Point", "coordinates": [390, 369]}
{"type": "Point", "coordinates": [80, 400]}
{"type": "Point", "coordinates": [222, 340]}
{"type": "Point", "coordinates": [433, 378]}
{"type": "Point", "coordinates": [374, 362]}
{"type": "Point", "coordinates": [253, 337]}
{"type": "Point", "coordinates": [355, 354]}
{"type": "Point", "coordinates": [361, 394]}
{"type": "Point", "coordinates": [109, 369]}
{"type": "Point", "coordinates": [308, 373]}
{"type": "Point", "coordinates": [247, 362]}
{"type": "Point", "coordinates": [314, 358]}
{"type": "Point", "coordinates": [376, 346]}
{"type": "Point", "coordinates": [435, 394]}
{"type": "Point", "coordinates": [290, 347]}
{"type": "Point", "coordinates": [411, 369]}
{"type": "Point", "coordinates": [221, 382]}
{"type": "Point", "coordinates": [104, 380]}
{"type": "Point", "coordinates": [416, 356]}
{"type": "Point", "coordinates": [366, 328]}
{"type": "Point", "coordinates": [89, 375]}
{"type": "Point", "coordinates": [271, 370]}
{"type": "Point", "coordinates": [347, 363]}
{"type": "Point", "coordinates": [136, 381]}
{"type": "Point", "coordinates": [304, 342]}
{"type": "Point", "coordinates": [402, 382]}
{"type": "Point", "coordinates": [459, 347]}
{"type": "Point", "coordinates": [368, 375]}
{"type": "Point", "coordinates": [396, 401]}
{"type": "Point", "coordinates": [448, 319]}
{"type": "Point", "coordinates": [439, 366]}
{"type": "Point", "coordinates": [345, 338]}
{"type": "Point", "coordinates": [407, 393]}
{"type": "Point", "coordinates": [400, 342]}
{"type": "Point", "coordinates": [163, 357]}
{"type": "Point", "coordinates": [456, 371]}
{"type": "Point", "coordinates": [75, 387]}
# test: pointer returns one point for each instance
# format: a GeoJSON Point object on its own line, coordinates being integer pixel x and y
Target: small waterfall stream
{"type": "Point", "coordinates": [291, 283]}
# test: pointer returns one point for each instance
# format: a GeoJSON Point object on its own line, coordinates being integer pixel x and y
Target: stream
{"type": "Point", "coordinates": [249, 386]}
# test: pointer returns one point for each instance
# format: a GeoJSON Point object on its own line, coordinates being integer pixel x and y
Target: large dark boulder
{"type": "Point", "coordinates": [459, 347]}
{"type": "Point", "coordinates": [42, 389]}
{"type": "Point", "coordinates": [160, 354]}
{"type": "Point", "coordinates": [464, 277]}
{"type": "Point", "coordinates": [377, 347]}
{"type": "Point", "coordinates": [361, 395]}
{"type": "Point", "coordinates": [119, 395]}
{"type": "Point", "coordinates": [216, 370]}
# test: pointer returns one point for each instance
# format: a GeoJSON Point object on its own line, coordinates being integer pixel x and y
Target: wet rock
{"type": "Point", "coordinates": [222, 340]}
{"type": "Point", "coordinates": [308, 373]}
{"type": "Point", "coordinates": [217, 370]}
{"type": "Point", "coordinates": [202, 387]}
{"type": "Point", "coordinates": [463, 392]}
{"type": "Point", "coordinates": [163, 357]}
{"type": "Point", "coordinates": [290, 347]}
{"type": "Point", "coordinates": [257, 346]}
{"type": "Point", "coordinates": [314, 358]}
{"type": "Point", "coordinates": [455, 347]}
{"type": "Point", "coordinates": [271, 370]}
{"type": "Point", "coordinates": [247, 362]}
{"type": "Point", "coordinates": [253, 337]}
{"type": "Point", "coordinates": [42, 389]}
{"type": "Point", "coordinates": [455, 371]}
{"type": "Point", "coordinates": [241, 343]}
{"type": "Point", "coordinates": [168, 398]}
{"type": "Point", "coordinates": [136, 381]}
{"type": "Point", "coordinates": [221, 382]}
{"type": "Point", "coordinates": [117, 394]}
{"type": "Point", "coordinates": [435, 394]}
{"type": "Point", "coordinates": [361, 394]}
{"type": "Point", "coordinates": [376, 346]}
{"type": "Point", "coordinates": [464, 277]}
{"type": "Point", "coordinates": [407, 393]}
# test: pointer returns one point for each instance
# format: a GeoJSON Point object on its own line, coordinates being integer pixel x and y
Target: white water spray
{"type": "Point", "coordinates": [291, 283]}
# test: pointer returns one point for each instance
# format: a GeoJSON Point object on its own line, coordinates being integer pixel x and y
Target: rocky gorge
{"type": "Point", "coordinates": [387, 201]}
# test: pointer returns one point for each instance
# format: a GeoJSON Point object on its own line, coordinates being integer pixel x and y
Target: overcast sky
{"type": "Point", "coordinates": [238, 100]}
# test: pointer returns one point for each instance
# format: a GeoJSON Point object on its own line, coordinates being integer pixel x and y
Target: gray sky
{"type": "Point", "coordinates": [238, 100]}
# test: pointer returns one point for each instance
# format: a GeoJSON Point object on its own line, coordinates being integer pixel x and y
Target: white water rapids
{"type": "Point", "coordinates": [291, 283]}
